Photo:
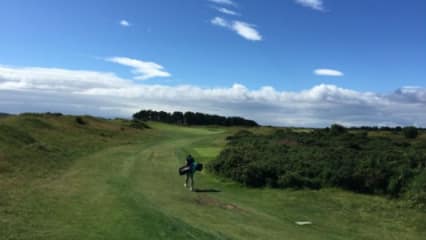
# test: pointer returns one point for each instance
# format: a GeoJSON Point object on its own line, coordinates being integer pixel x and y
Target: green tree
{"type": "Point", "coordinates": [337, 129]}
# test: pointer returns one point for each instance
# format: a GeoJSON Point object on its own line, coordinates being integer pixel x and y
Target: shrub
{"type": "Point", "coordinates": [80, 120]}
{"type": "Point", "coordinates": [337, 129]}
{"type": "Point", "coordinates": [410, 132]}
{"type": "Point", "coordinates": [55, 114]}
{"type": "Point", "coordinates": [333, 158]}
{"type": "Point", "coordinates": [417, 190]}
{"type": "Point", "coordinates": [294, 180]}
{"type": "Point", "coordinates": [139, 124]}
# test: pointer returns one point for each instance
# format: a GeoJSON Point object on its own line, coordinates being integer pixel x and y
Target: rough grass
{"type": "Point", "coordinates": [35, 144]}
{"type": "Point", "coordinates": [123, 184]}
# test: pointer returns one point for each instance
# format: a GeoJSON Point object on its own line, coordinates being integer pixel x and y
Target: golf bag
{"type": "Point", "coordinates": [186, 169]}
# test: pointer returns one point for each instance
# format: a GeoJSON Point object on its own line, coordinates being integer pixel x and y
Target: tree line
{"type": "Point", "coordinates": [192, 118]}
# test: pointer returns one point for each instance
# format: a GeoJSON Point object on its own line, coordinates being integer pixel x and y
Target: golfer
{"type": "Point", "coordinates": [189, 182]}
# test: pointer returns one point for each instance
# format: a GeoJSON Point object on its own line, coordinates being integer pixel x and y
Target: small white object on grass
{"type": "Point", "coordinates": [303, 223]}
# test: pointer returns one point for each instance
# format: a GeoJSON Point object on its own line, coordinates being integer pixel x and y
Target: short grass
{"type": "Point", "coordinates": [122, 183]}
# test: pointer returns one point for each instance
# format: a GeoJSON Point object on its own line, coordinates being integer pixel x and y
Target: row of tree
{"type": "Point", "coordinates": [408, 132]}
{"type": "Point", "coordinates": [191, 118]}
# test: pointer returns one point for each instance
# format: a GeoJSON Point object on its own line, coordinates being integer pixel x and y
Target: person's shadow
{"type": "Point", "coordinates": [207, 190]}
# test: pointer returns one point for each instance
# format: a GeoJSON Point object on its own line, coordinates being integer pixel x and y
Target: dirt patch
{"type": "Point", "coordinates": [231, 206]}
{"type": "Point", "coordinates": [209, 201]}
{"type": "Point", "coordinates": [204, 200]}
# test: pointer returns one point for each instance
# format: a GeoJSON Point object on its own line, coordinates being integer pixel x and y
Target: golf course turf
{"type": "Point", "coordinates": [129, 188]}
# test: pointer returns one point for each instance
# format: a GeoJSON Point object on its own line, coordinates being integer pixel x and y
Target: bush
{"type": "Point", "coordinates": [417, 190]}
{"type": "Point", "coordinates": [139, 124]}
{"type": "Point", "coordinates": [337, 129]}
{"type": "Point", "coordinates": [294, 180]}
{"type": "Point", "coordinates": [332, 158]}
{"type": "Point", "coordinates": [55, 114]}
{"type": "Point", "coordinates": [80, 120]}
{"type": "Point", "coordinates": [410, 132]}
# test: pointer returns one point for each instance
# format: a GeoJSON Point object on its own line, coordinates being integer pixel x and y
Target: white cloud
{"type": "Point", "coordinates": [226, 2]}
{"type": "Point", "coordinates": [55, 79]}
{"type": "Point", "coordinates": [314, 4]}
{"type": "Point", "coordinates": [218, 21]}
{"type": "Point", "coordinates": [124, 23]}
{"type": "Point", "coordinates": [227, 11]}
{"type": "Point", "coordinates": [328, 72]}
{"type": "Point", "coordinates": [143, 70]}
{"type": "Point", "coordinates": [35, 89]}
{"type": "Point", "coordinates": [245, 30]}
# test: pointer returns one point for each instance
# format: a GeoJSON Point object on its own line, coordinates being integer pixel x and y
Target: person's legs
{"type": "Point", "coordinates": [189, 181]}
{"type": "Point", "coordinates": [186, 181]}
{"type": "Point", "coordinates": [191, 175]}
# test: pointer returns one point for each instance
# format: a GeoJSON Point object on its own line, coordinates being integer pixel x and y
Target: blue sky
{"type": "Point", "coordinates": [373, 47]}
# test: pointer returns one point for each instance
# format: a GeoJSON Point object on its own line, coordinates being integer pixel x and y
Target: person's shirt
{"type": "Point", "coordinates": [189, 161]}
{"type": "Point", "coordinates": [193, 167]}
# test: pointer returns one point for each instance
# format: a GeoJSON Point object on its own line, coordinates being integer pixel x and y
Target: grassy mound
{"type": "Point", "coordinates": [41, 143]}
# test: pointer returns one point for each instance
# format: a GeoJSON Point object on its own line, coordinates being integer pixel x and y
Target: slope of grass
{"type": "Point", "coordinates": [126, 186]}
{"type": "Point", "coordinates": [36, 144]}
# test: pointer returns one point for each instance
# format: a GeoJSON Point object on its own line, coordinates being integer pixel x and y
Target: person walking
{"type": "Point", "coordinates": [190, 163]}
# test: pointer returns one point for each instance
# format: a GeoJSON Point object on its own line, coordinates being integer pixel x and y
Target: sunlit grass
{"type": "Point", "coordinates": [108, 181]}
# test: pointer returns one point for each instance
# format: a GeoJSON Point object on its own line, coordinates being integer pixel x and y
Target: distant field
{"type": "Point", "coordinates": [207, 152]}
{"type": "Point", "coordinates": [104, 180]}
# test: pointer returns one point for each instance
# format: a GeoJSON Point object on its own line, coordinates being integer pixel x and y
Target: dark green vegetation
{"type": "Point", "coordinates": [384, 163]}
{"type": "Point", "coordinates": [191, 118]}
{"type": "Point", "coordinates": [410, 132]}
{"type": "Point", "coordinates": [107, 180]}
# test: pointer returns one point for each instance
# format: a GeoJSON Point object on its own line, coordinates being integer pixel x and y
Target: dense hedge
{"type": "Point", "coordinates": [191, 118]}
{"type": "Point", "coordinates": [410, 132]}
{"type": "Point", "coordinates": [333, 157]}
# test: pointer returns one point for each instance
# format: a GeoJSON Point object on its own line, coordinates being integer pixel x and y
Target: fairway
{"type": "Point", "coordinates": [133, 191]}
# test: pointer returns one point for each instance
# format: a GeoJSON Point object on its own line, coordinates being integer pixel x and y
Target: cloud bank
{"type": "Point", "coordinates": [35, 89]}
{"type": "Point", "coordinates": [245, 30]}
